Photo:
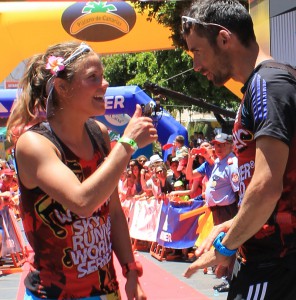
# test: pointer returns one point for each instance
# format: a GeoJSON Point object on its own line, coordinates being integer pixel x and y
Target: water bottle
{"type": "Point", "coordinates": [216, 293]}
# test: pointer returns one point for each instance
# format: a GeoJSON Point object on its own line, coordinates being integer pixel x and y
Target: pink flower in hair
{"type": "Point", "coordinates": [55, 64]}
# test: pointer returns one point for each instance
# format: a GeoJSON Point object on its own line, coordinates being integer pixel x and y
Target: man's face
{"type": "Point", "coordinates": [211, 61]}
{"type": "Point", "coordinates": [222, 149]}
{"type": "Point", "coordinates": [206, 145]}
{"type": "Point", "coordinates": [174, 165]}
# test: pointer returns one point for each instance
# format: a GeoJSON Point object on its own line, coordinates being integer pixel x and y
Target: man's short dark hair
{"type": "Point", "coordinates": [229, 13]}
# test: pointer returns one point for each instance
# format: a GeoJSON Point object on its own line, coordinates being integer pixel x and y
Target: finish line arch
{"type": "Point", "coordinates": [108, 27]}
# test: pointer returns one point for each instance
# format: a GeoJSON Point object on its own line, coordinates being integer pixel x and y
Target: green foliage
{"type": "Point", "coordinates": [166, 68]}
{"type": "Point", "coordinates": [169, 14]}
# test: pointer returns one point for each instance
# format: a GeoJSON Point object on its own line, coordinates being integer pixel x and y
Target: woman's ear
{"type": "Point", "coordinates": [61, 87]}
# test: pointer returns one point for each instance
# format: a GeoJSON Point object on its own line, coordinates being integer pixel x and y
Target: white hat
{"type": "Point", "coordinates": [155, 158]}
{"type": "Point", "coordinates": [222, 138]}
{"type": "Point", "coordinates": [147, 163]}
{"type": "Point", "coordinates": [176, 158]}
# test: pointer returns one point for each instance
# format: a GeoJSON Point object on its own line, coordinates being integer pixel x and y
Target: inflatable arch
{"type": "Point", "coordinates": [108, 27]}
{"type": "Point", "coordinates": [120, 106]}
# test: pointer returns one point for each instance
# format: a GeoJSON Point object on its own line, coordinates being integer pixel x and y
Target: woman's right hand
{"type": "Point", "coordinates": [141, 129]}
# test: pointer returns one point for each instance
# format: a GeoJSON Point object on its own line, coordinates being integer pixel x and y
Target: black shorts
{"type": "Point", "coordinates": [270, 280]}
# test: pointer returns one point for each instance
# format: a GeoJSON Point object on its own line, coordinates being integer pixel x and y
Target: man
{"type": "Point", "coordinates": [176, 174]}
{"type": "Point", "coordinates": [199, 138]}
{"type": "Point", "coordinates": [220, 34]}
{"type": "Point", "coordinates": [222, 190]}
{"type": "Point", "coordinates": [205, 169]}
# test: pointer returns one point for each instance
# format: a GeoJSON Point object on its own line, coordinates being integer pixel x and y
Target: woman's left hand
{"type": "Point", "coordinates": [133, 288]}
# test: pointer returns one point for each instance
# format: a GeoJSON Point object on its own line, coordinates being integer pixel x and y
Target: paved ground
{"type": "Point", "coordinates": [9, 284]}
{"type": "Point", "coordinates": [199, 281]}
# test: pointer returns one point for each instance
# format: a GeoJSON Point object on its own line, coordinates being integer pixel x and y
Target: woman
{"type": "Point", "coordinates": [70, 207]}
{"type": "Point", "coordinates": [136, 168]}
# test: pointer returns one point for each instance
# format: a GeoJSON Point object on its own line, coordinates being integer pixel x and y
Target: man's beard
{"type": "Point", "coordinates": [221, 77]}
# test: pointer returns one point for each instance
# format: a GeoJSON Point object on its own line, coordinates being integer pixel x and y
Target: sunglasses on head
{"type": "Point", "coordinates": [188, 23]}
{"type": "Point", "coordinates": [158, 172]}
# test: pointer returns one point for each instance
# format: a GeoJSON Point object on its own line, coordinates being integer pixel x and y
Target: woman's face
{"type": "Point", "coordinates": [87, 90]}
{"type": "Point", "coordinates": [136, 170]}
{"type": "Point", "coordinates": [142, 160]}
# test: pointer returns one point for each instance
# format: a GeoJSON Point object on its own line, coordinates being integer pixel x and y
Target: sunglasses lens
{"type": "Point", "coordinates": [186, 25]}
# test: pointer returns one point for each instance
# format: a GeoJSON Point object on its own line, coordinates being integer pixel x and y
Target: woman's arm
{"type": "Point", "coordinates": [39, 165]}
{"type": "Point", "coordinates": [122, 247]}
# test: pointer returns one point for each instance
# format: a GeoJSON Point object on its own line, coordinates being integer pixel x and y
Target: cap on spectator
{"type": "Point", "coordinates": [7, 171]}
{"type": "Point", "coordinates": [147, 163]}
{"type": "Point", "coordinates": [176, 158]}
{"type": "Point", "coordinates": [178, 183]}
{"type": "Point", "coordinates": [182, 163]}
{"type": "Point", "coordinates": [155, 158]}
{"type": "Point", "coordinates": [222, 138]}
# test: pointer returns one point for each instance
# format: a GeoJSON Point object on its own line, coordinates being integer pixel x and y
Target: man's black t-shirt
{"type": "Point", "coordinates": [269, 109]}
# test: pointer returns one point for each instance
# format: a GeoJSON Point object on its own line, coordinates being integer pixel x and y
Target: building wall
{"type": "Point", "coordinates": [275, 23]}
{"type": "Point", "coordinates": [283, 37]}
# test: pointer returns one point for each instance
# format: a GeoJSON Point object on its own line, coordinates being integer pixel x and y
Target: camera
{"type": "Point", "coordinates": [148, 109]}
{"type": "Point", "coordinates": [151, 109]}
{"type": "Point", "coordinates": [201, 151]}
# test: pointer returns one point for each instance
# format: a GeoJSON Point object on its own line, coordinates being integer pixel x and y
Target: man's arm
{"type": "Point", "coordinates": [190, 173]}
{"type": "Point", "coordinates": [258, 203]}
{"type": "Point", "coordinates": [263, 192]}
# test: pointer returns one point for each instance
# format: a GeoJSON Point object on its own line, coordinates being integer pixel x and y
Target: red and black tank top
{"type": "Point", "coordinates": [73, 255]}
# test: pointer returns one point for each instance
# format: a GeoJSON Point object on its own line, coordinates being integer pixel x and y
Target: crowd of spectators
{"type": "Point", "coordinates": [9, 201]}
{"type": "Point", "coordinates": [165, 180]}
{"type": "Point", "coordinates": [203, 171]}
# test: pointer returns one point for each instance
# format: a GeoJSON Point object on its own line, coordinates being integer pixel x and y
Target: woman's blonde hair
{"type": "Point", "coordinates": [30, 105]}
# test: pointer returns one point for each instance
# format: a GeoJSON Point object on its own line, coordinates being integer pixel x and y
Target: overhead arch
{"type": "Point", "coordinates": [108, 27]}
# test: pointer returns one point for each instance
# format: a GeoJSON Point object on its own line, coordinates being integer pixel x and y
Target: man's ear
{"type": "Point", "coordinates": [223, 38]}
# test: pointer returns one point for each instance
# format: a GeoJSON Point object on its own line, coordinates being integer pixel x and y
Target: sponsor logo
{"type": "Point", "coordinates": [118, 120]}
{"type": "Point", "coordinates": [241, 137]}
{"type": "Point", "coordinates": [98, 21]}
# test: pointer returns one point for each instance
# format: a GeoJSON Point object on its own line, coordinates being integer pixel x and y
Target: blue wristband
{"type": "Point", "coordinates": [221, 248]}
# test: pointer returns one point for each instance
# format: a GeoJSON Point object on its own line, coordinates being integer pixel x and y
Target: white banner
{"type": "Point", "coordinates": [145, 220]}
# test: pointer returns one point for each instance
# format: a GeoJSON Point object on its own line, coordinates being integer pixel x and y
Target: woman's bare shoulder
{"type": "Point", "coordinates": [31, 143]}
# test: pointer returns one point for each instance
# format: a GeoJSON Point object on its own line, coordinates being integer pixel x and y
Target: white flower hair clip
{"type": "Point", "coordinates": [55, 64]}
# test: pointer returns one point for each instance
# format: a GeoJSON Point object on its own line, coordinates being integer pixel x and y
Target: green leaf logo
{"type": "Point", "coordinates": [95, 7]}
